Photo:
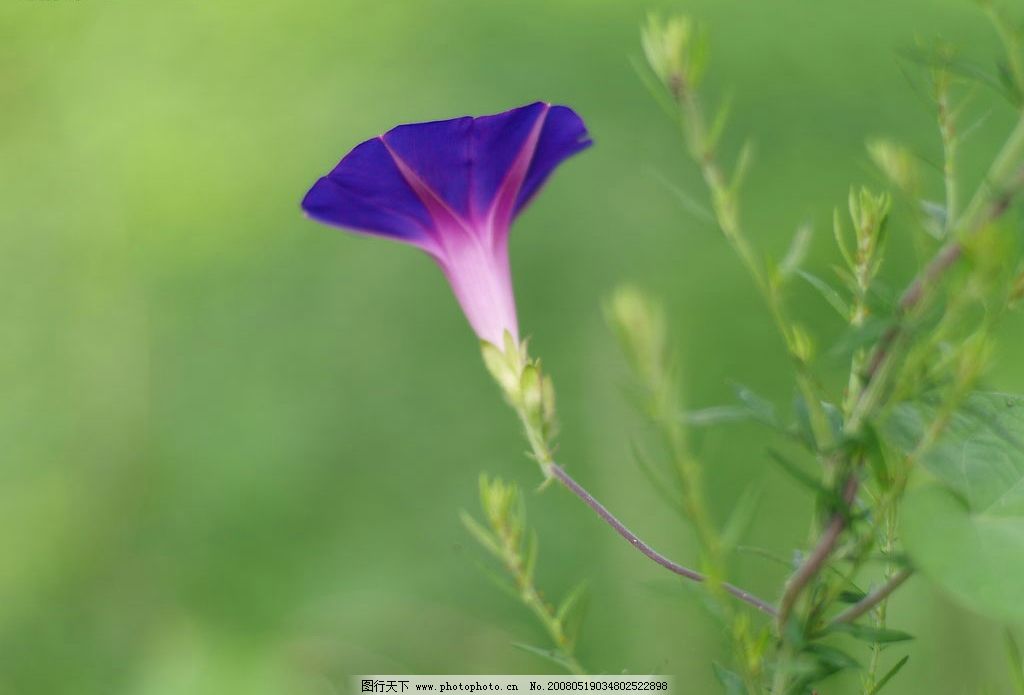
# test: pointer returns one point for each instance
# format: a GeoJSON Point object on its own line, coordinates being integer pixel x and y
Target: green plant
{"type": "Point", "coordinates": [915, 471]}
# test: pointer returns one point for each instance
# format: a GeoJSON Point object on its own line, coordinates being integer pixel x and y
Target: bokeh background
{"type": "Point", "coordinates": [234, 444]}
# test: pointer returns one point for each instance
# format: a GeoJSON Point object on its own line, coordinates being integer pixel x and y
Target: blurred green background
{"type": "Point", "coordinates": [233, 443]}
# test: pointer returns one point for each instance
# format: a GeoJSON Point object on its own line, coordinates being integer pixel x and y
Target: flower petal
{"type": "Point", "coordinates": [417, 181]}
{"type": "Point", "coordinates": [368, 193]}
{"type": "Point", "coordinates": [452, 188]}
{"type": "Point", "coordinates": [438, 153]}
{"type": "Point", "coordinates": [564, 134]}
{"type": "Point", "coordinates": [498, 143]}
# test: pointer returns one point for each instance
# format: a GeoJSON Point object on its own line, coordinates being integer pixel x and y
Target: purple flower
{"type": "Point", "coordinates": [452, 188]}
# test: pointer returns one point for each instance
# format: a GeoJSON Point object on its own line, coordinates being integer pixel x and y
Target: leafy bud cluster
{"type": "Point", "coordinates": [527, 389]}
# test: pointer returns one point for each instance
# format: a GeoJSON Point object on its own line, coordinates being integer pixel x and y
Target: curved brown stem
{"type": "Point", "coordinates": [570, 484]}
{"type": "Point", "coordinates": [814, 562]}
{"type": "Point", "coordinates": [873, 599]}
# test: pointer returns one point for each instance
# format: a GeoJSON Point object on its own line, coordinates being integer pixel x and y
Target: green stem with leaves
{"type": "Point", "coordinates": [531, 395]}
{"type": "Point", "coordinates": [677, 56]}
{"type": "Point", "coordinates": [508, 539]}
{"type": "Point", "coordinates": [726, 210]}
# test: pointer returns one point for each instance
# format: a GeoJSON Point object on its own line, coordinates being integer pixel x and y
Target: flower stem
{"type": "Point", "coordinates": [873, 599]}
{"type": "Point", "coordinates": [570, 484]}
{"type": "Point", "coordinates": [819, 556]}
{"type": "Point", "coordinates": [536, 431]}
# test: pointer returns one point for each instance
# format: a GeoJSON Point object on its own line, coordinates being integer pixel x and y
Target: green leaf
{"type": "Point", "coordinates": [828, 293]}
{"type": "Point", "coordinates": [546, 654]}
{"type": "Point", "coordinates": [798, 474]}
{"type": "Point", "coordinates": [797, 253]}
{"type": "Point", "coordinates": [530, 565]}
{"type": "Point", "coordinates": [503, 584]}
{"type": "Point", "coordinates": [869, 446]}
{"type": "Point", "coordinates": [741, 518]}
{"type": "Point", "coordinates": [668, 490]}
{"type": "Point", "coordinates": [761, 409]}
{"type": "Point", "coordinates": [977, 555]}
{"type": "Point", "coordinates": [732, 682]}
{"type": "Point", "coordinates": [657, 90]}
{"type": "Point", "coordinates": [890, 674]}
{"type": "Point", "coordinates": [768, 555]}
{"type": "Point", "coordinates": [858, 337]}
{"type": "Point", "coordinates": [980, 454]}
{"type": "Point", "coordinates": [1016, 662]}
{"type": "Point", "coordinates": [958, 66]}
{"type": "Point", "coordinates": [871, 635]}
{"type": "Point", "coordinates": [572, 610]}
{"type": "Point", "coordinates": [851, 597]}
{"type": "Point", "coordinates": [716, 415]}
{"type": "Point", "coordinates": [805, 428]}
{"type": "Point", "coordinates": [482, 535]}
{"type": "Point", "coordinates": [743, 163]}
{"type": "Point", "coordinates": [688, 202]}
{"type": "Point", "coordinates": [832, 657]}
{"type": "Point", "coordinates": [974, 127]}
{"type": "Point", "coordinates": [935, 218]}
{"type": "Point", "coordinates": [721, 118]}
{"type": "Point", "coordinates": [967, 534]}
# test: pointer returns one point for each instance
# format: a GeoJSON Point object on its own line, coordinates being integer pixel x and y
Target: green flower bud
{"type": "Point", "coordinates": [504, 370]}
{"type": "Point", "coordinates": [548, 406]}
{"type": "Point", "coordinates": [640, 326]}
{"type": "Point", "coordinates": [531, 392]}
{"type": "Point", "coordinates": [896, 162]}
{"type": "Point", "coordinates": [801, 344]}
{"type": "Point", "coordinates": [676, 51]}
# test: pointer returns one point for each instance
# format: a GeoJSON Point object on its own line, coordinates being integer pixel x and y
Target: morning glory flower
{"type": "Point", "coordinates": [452, 188]}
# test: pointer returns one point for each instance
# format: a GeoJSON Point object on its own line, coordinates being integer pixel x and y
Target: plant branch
{"type": "Point", "coordinates": [516, 360]}
{"type": "Point", "coordinates": [509, 539]}
{"type": "Point", "coordinates": [1005, 177]}
{"type": "Point", "coordinates": [726, 211]}
{"type": "Point", "coordinates": [916, 292]}
{"type": "Point", "coordinates": [634, 540]}
{"type": "Point", "coordinates": [873, 599]}
{"type": "Point", "coordinates": [816, 560]}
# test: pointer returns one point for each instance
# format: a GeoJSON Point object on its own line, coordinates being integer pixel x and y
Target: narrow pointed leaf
{"type": "Point", "coordinates": [831, 656]}
{"type": "Point", "coordinates": [572, 610]}
{"type": "Point", "coordinates": [688, 202]}
{"type": "Point", "coordinates": [761, 408]}
{"type": "Point", "coordinates": [530, 565]}
{"type": "Point", "coordinates": [798, 474]}
{"type": "Point", "coordinates": [482, 535]}
{"type": "Point", "coordinates": [654, 87]}
{"type": "Point", "coordinates": [828, 293]}
{"type": "Point", "coordinates": [871, 635]}
{"type": "Point", "coordinates": [546, 654]}
{"type": "Point", "coordinates": [851, 597]}
{"type": "Point", "coordinates": [743, 162]}
{"type": "Point", "coordinates": [716, 415]}
{"type": "Point", "coordinates": [797, 252]}
{"type": "Point", "coordinates": [741, 517]}
{"type": "Point", "coordinates": [890, 674]}
{"type": "Point", "coordinates": [731, 682]}
{"type": "Point", "coordinates": [667, 490]}
{"type": "Point", "coordinates": [503, 584]}
{"type": "Point", "coordinates": [720, 121]}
